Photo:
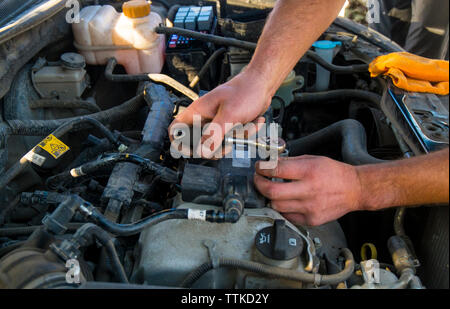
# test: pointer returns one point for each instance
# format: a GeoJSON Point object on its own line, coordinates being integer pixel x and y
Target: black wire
{"type": "Point", "coordinates": [210, 61]}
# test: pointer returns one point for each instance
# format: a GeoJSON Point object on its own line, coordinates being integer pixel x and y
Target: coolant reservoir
{"type": "Point", "coordinates": [129, 37]}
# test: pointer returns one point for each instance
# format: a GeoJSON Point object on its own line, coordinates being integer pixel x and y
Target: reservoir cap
{"type": "Point", "coordinates": [326, 44]}
{"type": "Point", "coordinates": [136, 8]}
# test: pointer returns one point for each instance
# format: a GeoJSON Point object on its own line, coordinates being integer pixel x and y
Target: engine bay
{"type": "Point", "coordinates": [89, 180]}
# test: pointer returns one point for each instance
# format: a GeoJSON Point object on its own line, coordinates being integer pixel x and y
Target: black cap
{"type": "Point", "coordinates": [72, 61]}
{"type": "Point", "coordinates": [279, 242]}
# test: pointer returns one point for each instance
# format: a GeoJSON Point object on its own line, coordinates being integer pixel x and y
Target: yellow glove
{"type": "Point", "coordinates": [413, 73]}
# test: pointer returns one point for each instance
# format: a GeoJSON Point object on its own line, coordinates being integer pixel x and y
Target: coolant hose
{"type": "Point", "coordinates": [276, 272]}
{"type": "Point", "coordinates": [371, 98]}
{"type": "Point", "coordinates": [111, 64]}
{"type": "Point", "coordinates": [351, 135]}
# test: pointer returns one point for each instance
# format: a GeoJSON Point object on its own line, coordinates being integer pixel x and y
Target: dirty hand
{"type": "Point", "coordinates": [320, 189]}
{"type": "Point", "coordinates": [241, 100]}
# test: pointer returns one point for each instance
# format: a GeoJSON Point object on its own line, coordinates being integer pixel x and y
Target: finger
{"type": "Point", "coordinates": [296, 218]}
{"type": "Point", "coordinates": [279, 190]}
{"type": "Point", "coordinates": [286, 169]}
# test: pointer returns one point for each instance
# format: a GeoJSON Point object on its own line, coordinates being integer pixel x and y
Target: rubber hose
{"type": "Point", "coordinates": [92, 230]}
{"type": "Point", "coordinates": [206, 66]}
{"type": "Point", "coordinates": [45, 127]}
{"type": "Point", "coordinates": [337, 69]}
{"type": "Point", "coordinates": [65, 104]}
{"type": "Point", "coordinates": [342, 94]}
{"type": "Point", "coordinates": [137, 227]}
{"type": "Point", "coordinates": [109, 69]}
{"type": "Point", "coordinates": [349, 132]}
{"type": "Point", "coordinates": [92, 167]}
{"type": "Point", "coordinates": [276, 272]}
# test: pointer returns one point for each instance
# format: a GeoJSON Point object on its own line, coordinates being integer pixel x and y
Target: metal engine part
{"type": "Point", "coordinates": [169, 251]}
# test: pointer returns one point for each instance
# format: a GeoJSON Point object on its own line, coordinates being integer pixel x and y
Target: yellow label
{"type": "Point", "coordinates": [53, 146]}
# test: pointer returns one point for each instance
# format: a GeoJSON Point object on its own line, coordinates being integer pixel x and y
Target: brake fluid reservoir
{"type": "Point", "coordinates": [129, 37]}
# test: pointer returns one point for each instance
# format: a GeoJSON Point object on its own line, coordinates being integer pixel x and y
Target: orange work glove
{"type": "Point", "coordinates": [413, 73]}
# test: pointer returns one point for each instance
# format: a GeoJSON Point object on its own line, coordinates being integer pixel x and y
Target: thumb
{"type": "Point", "coordinates": [205, 106]}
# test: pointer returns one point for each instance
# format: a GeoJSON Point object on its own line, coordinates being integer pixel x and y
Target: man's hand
{"type": "Point", "coordinates": [320, 189]}
{"type": "Point", "coordinates": [239, 101]}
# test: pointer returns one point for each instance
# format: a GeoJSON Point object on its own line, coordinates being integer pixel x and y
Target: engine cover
{"type": "Point", "coordinates": [170, 250]}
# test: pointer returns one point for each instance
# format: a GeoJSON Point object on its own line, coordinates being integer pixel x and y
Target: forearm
{"type": "Point", "coordinates": [415, 181]}
{"type": "Point", "coordinates": [290, 30]}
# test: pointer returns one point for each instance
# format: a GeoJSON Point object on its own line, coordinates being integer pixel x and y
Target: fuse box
{"type": "Point", "coordinates": [186, 56]}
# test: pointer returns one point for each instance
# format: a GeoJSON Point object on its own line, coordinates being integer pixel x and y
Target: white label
{"type": "Point", "coordinates": [34, 157]}
{"type": "Point", "coordinates": [197, 214]}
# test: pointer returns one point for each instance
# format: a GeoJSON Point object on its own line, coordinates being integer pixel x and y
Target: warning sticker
{"type": "Point", "coordinates": [53, 146]}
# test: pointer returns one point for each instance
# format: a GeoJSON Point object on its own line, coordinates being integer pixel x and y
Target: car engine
{"type": "Point", "coordinates": [92, 196]}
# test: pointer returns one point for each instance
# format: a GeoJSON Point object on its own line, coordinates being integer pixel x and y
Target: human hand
{"type": "Point", "coordinates": [239, 101]}
{"type": "Point", "coordinates": [320, 189]}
